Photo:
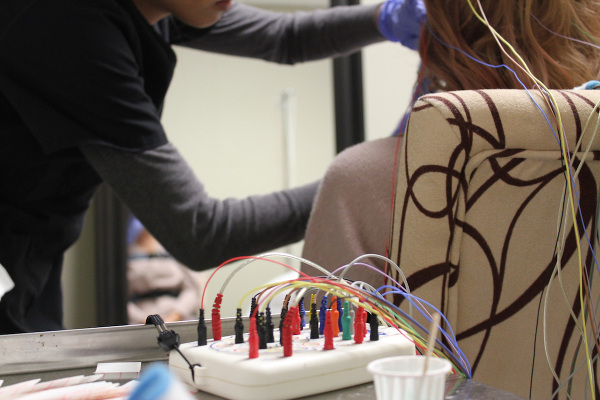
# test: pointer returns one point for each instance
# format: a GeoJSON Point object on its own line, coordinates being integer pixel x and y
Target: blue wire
{"type": "Point", "coordinates": [547, 121]}
{"type": "Point", "coordinates": [421, 327]}
{"type": "Point", "coordinates": [498, 66]}
{"type": "Point", "coordinates": [459, 360]}
{"type": "Point", "coordinates": [410, 298]}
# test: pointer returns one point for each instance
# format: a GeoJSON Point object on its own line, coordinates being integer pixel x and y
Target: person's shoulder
{"type": "Point", "coordinates": [11, 9]}
{"type": "Point", "coordinates": [29, 16]}
{"type": "Point", "coordinates": [65, 29]}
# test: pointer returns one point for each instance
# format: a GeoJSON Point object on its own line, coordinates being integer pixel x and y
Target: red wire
{"type": "Point", "coordinates": [244, 258]}
{"type": "Point", "coordinates": [416, 93]}
{"type": "Point", "coordinates": [306, 277]}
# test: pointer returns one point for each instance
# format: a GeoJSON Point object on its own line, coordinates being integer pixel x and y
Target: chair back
{"type": "Point", "coordinates": [483, 229]}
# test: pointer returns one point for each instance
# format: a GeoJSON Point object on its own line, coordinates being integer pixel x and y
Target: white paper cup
{"type": "Point", "coordinates": [402, 378]}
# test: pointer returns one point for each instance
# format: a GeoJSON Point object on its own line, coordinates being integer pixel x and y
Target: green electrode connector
{"type": "Point", "coordinates": [346, 321]}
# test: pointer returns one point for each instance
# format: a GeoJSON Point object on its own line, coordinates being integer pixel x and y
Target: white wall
{"type": "Point", "coordinates": [79, 279]}
{"type": "Point", "coordinates": [224, 114]}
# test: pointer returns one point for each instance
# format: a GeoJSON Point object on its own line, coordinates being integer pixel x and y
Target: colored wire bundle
{"type": "Point", "coordinates": [588, 309]}
{"type": "Point", "coordinates": [358, 295]}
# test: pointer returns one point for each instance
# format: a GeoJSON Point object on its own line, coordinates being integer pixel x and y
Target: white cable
{"type": "Point", "coordinates": [268, 255]}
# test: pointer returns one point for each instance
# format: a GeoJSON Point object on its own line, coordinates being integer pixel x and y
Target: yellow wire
{"type": "Point", "coordinates": [329, 289]}
{"type": "Point", "coordinates": [569, 184]}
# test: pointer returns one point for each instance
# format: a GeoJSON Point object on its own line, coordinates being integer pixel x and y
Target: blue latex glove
{"type": "Point", "coordinates": [400, 21]}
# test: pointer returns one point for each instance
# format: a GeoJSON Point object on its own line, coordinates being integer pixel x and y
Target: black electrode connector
{"type": "Point", "coordinates": [252, 307]}
{"type": "Point", "coordinates": [374, 325]}
{"type": "Point", "coordinates": [239, 327]}
{"type": "Point", "coordinates": [314, 321]}
{"type": "Point", "coordinates": [270, 326]}
{"type": "Point", "coordinates": [282, 317]}
{"type": "Point", "coordinates": [202, 339]}
{"type": "Point", "coordinates": [262, 331]}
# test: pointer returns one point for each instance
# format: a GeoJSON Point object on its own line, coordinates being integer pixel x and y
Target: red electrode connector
{"type": "Point", "coordinates": [296, 327]}
{"type": "Point", "coordinates": [216, 317]}
{"type": "Point", "coordinates": [359, 326]}
{"type": "Point", "coordinates": [287, 329]}
{"type": "Point", "coordinates": [253, 339]}
{"type": "Point", "coordinates": [328, 331]}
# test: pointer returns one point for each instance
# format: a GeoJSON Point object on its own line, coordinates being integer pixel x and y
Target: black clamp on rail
{"type": "Point", "coordinates": [168, 340]}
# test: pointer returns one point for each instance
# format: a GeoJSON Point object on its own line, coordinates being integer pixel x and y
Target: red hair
{"type": "Point", "coordinates": [537, 29]}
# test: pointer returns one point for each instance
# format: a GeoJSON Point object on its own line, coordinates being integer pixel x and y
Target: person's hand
{"type": "Point", "coordinates": [400, 21]}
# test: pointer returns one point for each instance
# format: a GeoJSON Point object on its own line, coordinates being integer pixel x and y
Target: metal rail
{"type": "Point", "coordinates": [78, 348]}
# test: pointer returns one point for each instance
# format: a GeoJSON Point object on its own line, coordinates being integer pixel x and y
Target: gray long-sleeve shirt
{"type": "Point", "coordinates": [202, 231]}
{"type": "Point", "coordinates": [285, 38]}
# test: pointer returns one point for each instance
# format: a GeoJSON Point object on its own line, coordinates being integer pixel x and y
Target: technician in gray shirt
{"type": "Point", "coordinates": [82, 85]}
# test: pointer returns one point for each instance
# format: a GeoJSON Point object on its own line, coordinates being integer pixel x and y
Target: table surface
{"type": "Point", "coordinates": [59, 354]}
{"type": "Point", "coordinates": [456, 388]}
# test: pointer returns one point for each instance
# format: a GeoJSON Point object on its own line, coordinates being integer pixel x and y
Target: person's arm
{"type": "Point", "coordinates": [162, 191]}
{"type": "Point", "coordinates": [285, 38]}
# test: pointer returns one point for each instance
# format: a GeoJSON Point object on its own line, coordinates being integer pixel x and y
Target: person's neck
{"type": "Point", "coordinates": [151, 13]}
